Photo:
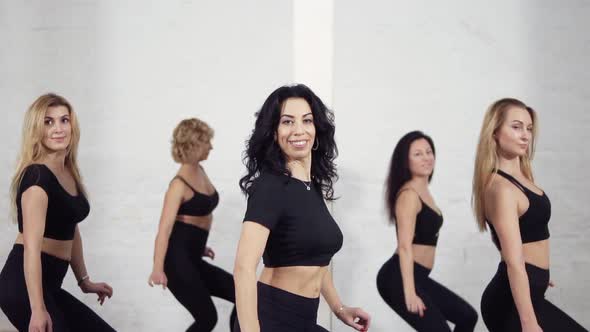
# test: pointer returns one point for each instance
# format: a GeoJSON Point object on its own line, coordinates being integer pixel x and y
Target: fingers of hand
{"type": "Point", "coordinates": [109, 290]}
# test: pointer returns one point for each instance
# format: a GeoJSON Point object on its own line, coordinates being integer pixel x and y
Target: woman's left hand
{"type": "Point", "coordinates": [103, 290]}
{"type": "Point", "coordinates": [355, 318]}
{"type": "Point", "coordinates": [551, 283]}
{"type": "Point", "coordinates": [209, 253]}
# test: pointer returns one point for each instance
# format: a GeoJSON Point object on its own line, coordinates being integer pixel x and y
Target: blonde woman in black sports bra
{"type": "Point", "coordinates": [184, 227]}
{"type": "Point", "coordinates": [507, 200]}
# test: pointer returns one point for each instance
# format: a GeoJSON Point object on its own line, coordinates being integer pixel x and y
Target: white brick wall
{"type": "Point", "coordinates": [133, 71]}
{"type": "Point", "coordinates": [436, 67]}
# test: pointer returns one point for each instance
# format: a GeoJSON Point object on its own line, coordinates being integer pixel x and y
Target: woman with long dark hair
{"type": "Point", "coordinates": [508, 201]}
{"type": "Point", "coordinates": [404, 281]}
{"type": "Point", "coordinates": [48, 201]}
{"type": "Point", "coordinates": [290, 171]}
{"type": "Point", "coordinates": [181, 243]}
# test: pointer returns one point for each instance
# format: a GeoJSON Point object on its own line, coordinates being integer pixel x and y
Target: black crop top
{"type": "Point", "coordinates": [302, 231]}
{"type": "Point", "coordinates": [200, 204]}
{"type": "Point", "coordinates": [428, 224]}
{"type": "Point", "coordinates": [64, 211]}
{"type": "Point", "coordinates": [534, 223]}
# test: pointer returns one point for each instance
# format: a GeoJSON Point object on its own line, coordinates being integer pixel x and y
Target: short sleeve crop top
{"type": "Point", "coordinates": [302, 231]}
{"type": "Point", "coordinates": [64, 211]}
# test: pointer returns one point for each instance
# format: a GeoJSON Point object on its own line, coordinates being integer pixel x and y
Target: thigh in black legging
{"type": "Point", "coordinates": [390, 286]}
{"type": "Point", "coordinates": [77, 316]}
{"type": "Point", "coordinates": [220, 284]}
{"type": "Point", "coordinates": [497, 307]}
{"type": "Point", "coordinates": [185, 283]}
{"type": "Point", "coordinates": [453, 307]}
{"type": "Point", "coordinates": [19, 313]}
{"type": "Point", "coordinates": [553, 319]}
{"type": "Point", "coordinates": [14, 299]}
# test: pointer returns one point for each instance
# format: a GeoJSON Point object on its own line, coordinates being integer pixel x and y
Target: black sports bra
{"type": "Point", "coordinates": [428, 224]}
{"type": "Point", "coordinates": [534, 222]}
{"type": "Point", "coordinates": [200, 204]}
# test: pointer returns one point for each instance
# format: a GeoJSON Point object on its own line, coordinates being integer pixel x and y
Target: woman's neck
{"type": "Point", "coordinates": [420, 182]}
{"type": "Point", "coordinates": [300, 169]}
{"type": "Point", "coordinates": [510, 165]}
{"type": "Point", "coordinates": [55, 160]}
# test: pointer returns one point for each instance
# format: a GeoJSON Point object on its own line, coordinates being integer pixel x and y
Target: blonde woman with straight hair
{"type": "Point", "coordinates": [48, 200]}
{"type": "Point", "coordinates": [508, 202]}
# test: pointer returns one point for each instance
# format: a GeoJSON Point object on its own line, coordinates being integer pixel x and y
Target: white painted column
{"type": "Point", "coordinates": [313, 57]}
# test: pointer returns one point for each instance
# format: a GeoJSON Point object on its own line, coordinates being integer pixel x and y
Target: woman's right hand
{"type": "Point", "coordinates": [415, 305]}
{"type": "Point", "coordinates": [40, 321]}
{"type": "Point", "coordinates": [158, 278]}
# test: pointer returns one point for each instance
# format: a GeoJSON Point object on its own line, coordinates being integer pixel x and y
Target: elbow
{"type": "Point", "coordinates": [515, 262]}
{"type": "Point", "coordinates": [243, 271]}
{"type": "Point", "coordinates": [404, 249]}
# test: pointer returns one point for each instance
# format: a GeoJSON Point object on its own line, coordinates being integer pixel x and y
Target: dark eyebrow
{"type": "Point", "coordinates": [292, 117]}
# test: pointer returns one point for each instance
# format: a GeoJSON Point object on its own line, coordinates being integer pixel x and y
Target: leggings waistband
{"type": "Point", "coordinates": [420, 271]}
{"type": "Point", "coordinates": [190, 236]}
{"type": "Point", "coordinates": [53, 268]}
{"type": "Point", "coordinates": [282, 300]}
{"type": "Point", "coordinates": [537, 275]}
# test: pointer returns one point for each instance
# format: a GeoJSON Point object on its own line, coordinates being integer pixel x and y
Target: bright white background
{"type": "Point", "coordinates": [133, 70]}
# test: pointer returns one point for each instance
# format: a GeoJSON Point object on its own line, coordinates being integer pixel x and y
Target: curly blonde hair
{"type": "Point", "coordinates": [189, 136]}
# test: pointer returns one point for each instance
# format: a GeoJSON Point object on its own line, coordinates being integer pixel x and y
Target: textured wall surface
{"type": "Point", "coordinates": [436, 67]}
{"type": "Point", "coordinates": [133, 71]}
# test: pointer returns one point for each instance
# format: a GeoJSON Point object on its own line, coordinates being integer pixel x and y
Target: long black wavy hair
{"type": "Point", "coordinates": [399, 169]}
{"type": "Point", "coordinates": [264, 154]}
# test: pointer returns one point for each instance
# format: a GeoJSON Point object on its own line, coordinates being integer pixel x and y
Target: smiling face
{"type": "Point", "coordinates": [296, 131]}
{"type": "Point", "coordinates": [421, 158]}
{"type": "Point", "coordinates": [515, 134]}
{"type": "Point", "coordinates": [58, 128]}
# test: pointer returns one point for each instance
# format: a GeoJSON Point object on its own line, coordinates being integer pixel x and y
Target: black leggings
{"type": "Point", "coordinates": [442, 305]}
{"type": "Point", "coordinates": [279, 310]}
{"type": "Point", "coordinates": [193, 281]}
{"type": "Point", "coordinates": [499, 311]}
{"type": "Point", "coordinates": [66, 312]}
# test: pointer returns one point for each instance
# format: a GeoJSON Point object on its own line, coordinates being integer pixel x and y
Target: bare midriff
{"type": "Point", "coordinates": [536, 253]}
{"type": "Point", "coordinates": [203, 222]}
{"type": "Point", "coordinates": [57, 248]}
{"type": "Point", "coordinates": [423, 254]}
{"type": "Point", "coordinates": [304, 281]}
